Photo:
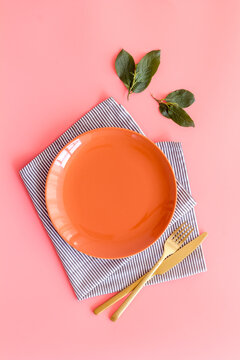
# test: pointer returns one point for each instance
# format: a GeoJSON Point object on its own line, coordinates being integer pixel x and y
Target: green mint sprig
{"type": "Point", "coordinates": [137, 77]}
{"type": "Point", "coordinates": [172, 107]}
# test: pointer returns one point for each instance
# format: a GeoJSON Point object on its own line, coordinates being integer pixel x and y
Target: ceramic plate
{"type": "Point", "coordinates": [110, 193]}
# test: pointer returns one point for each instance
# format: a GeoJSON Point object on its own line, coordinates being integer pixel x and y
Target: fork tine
{"type": "Point", "coordinates": [177, 230]}
{"type": "Point", "coordinates": [183, 233]}
{"type": "Point", "coordinates": [180, 232]}
{"type": "Point", "coordinates": [185, 238]}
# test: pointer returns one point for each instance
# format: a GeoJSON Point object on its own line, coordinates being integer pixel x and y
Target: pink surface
{"type": "Point", "coordinates": [57, 61]}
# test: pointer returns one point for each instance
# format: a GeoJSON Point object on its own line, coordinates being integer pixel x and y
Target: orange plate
{"type": "Point", "coordinates": [110, 193]}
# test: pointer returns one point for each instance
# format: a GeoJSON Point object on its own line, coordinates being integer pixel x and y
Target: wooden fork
{"type": "Point", "coordinates": [172, 244]}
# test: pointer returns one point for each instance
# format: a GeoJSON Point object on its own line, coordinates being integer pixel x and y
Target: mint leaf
{"type": "Point", "coordinates": [145, 70]}
{"type": "Point", "coordinates": [183, 98]}
{"type": "Point", "coordinates": [179, 116]}
{"type": "Point", "coordinates": [163, 108]}
{"type": "Point", "coordinates": [125, 68]}
{"type": "Point", "coordinates": [136, 78]}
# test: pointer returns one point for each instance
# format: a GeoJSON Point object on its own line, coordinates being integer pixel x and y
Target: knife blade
{"type": "Point", "coordinates": [181, 254]}
{"type": "Point", "coordinates": [167, 264]}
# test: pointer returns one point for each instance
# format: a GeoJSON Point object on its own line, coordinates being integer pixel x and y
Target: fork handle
{"type": "Point", "coordinates": [120, 295]}
{"type": "Point", "coordinates": [117, 297]}
{"type": "Point", "coordinates": [135, 291]}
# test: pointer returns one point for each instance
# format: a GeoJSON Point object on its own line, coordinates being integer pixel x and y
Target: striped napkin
{"type": "Point", "coordinates": [92, 276]}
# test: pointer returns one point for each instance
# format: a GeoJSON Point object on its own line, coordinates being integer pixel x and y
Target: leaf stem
{"type": "Point", "coordinates": [133, 83]}
{"type": "Point", "coordinates": [159, 101]}
{"type": "Point", "coordinates": [155, 98]}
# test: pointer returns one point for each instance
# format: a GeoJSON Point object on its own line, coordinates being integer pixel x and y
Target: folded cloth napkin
{"type": "Point", "coordinates": [92, 276]}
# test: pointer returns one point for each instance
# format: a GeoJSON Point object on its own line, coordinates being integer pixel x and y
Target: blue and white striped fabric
{"type": "Point", "coordinates": [90, 276]}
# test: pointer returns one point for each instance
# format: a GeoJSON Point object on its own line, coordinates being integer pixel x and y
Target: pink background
{"type": "Point", "coordinates": [57, 61]}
